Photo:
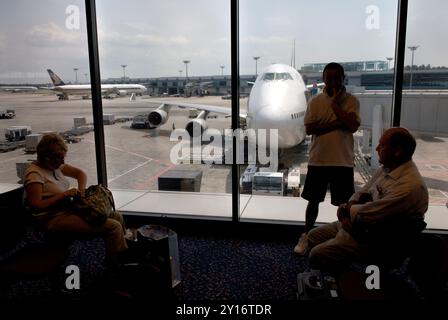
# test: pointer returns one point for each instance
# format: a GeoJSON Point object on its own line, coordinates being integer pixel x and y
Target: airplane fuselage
{"type": "Point", "coordinates": [278, 101]}
{"type": "Point", "coordinates": [18, 88]}
{"type": "Point", "coordinates": [85, 89]}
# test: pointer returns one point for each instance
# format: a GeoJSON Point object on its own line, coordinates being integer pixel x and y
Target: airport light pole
{"type": "Point", "coordinates": [124, 72]}
{"type": "Point", "coordinates": [389, 59]}
{"type": "Point", "coordinates": [256, 66]}
{"type": "Point", "coordinates": [76, 74]}
{"type": "Point", "coordinates": [412, 48]}
{"type": "Point", "coordinates": [85, 74]}
{"type": "Point", "coordinates": [180, 73]}
{"type": "Point", "coordinates": [222, 70]}
{"type": "Point", "coordinates": [186, 67]}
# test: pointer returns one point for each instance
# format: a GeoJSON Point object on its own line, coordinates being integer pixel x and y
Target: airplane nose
{"type": "Point", "coordinates": [268, 118]}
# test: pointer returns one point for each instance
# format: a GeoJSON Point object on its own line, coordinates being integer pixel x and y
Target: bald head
{"type": "Point", "coordinates": [396, 146]}
{"type": "Point", "coordinates": [402, 138]}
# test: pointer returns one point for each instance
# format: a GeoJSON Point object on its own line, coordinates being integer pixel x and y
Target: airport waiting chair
{"type": "Point", "coordinates": [389, 244]}
{"type": "Point", "coordinates": [390, 248]}
{"type": "Point", "coordinates": [428, 267]}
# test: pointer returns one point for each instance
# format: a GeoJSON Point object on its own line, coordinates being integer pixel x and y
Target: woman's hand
{"type": "Point", "coordinates": [71, 192]}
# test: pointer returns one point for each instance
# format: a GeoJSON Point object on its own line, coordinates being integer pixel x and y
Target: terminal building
{"type": "Point", "coordinates": [372, 75]}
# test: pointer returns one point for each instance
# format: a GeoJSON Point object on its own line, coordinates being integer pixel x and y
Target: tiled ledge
{"type": "Point", "coordinates": [282, 210]}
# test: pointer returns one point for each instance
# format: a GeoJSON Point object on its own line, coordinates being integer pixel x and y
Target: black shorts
{"type": "Point", "coordinates": [341, 180]}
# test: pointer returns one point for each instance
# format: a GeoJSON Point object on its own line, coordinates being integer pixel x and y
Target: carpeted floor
{"type": "Point", "coordinates": [232, 269]}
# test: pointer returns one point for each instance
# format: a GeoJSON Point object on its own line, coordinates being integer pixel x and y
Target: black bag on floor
{"type": "Point", "coordinates": [314, 285]}
{"type": "Point", "coordinates": [144, 272]}
{"type": "Point", "coordinates": [141, 282]}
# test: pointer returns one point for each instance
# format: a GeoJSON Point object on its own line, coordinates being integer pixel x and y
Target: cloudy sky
{"type": "Point", "coordinates": [153, 37]}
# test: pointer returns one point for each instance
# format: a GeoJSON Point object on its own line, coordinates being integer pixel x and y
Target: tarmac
{"type": "Point", "coordinates": [137, 157]}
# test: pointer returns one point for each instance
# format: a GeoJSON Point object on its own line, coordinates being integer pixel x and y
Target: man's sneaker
{"type": "Point", "coordinates": [302, 245]}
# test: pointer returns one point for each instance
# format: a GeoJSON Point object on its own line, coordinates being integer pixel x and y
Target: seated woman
{"type": "Point", "coordinates": [48, 195]}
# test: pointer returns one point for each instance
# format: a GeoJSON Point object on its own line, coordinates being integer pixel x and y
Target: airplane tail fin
{"type": "Point", "coordinates": [55, 78]}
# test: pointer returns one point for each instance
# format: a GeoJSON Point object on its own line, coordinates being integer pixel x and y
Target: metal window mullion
{"type": "Point", "coordinates": [400, 48]}
{"type": "Point", "coordinates": [235, 76]}
{"type": "Point", "coordinates": [95, 80]}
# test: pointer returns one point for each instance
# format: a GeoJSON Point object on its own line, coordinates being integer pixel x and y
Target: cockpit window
{"type": "Point", "coordinates": [283, 76]}
{"type": "Point", "coordinates": [277, 76]}
{"type": "Point", "coordinates": [269, 76]}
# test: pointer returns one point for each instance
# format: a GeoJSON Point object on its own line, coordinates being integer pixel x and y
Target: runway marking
{"type": "Point", "coordinates": [122, 150]}
{"type": "Point", "coordinates": [151, 179]}
{"type": "Point", "coordinates": [126, 172]}
{"type": "Point", "coordinates": [132, 153]}
{"type": "Point", "coordinates": [147, 183]}
{"type": "Point", "coordinates": [446, 195]}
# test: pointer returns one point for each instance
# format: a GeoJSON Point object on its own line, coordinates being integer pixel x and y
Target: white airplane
{"type": "Point", "coordinates": [18, 88]}
{"type": "Point", "coordinates": [64, 90]}
{"type": "Point", "coordinates": [278, 100]}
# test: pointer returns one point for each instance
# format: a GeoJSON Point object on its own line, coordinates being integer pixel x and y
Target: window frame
{"type": "Point", "coordinates": [92, 35]}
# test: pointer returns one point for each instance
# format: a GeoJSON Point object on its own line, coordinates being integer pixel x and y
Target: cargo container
{"type": "Point", "coordinates": [181, 180]}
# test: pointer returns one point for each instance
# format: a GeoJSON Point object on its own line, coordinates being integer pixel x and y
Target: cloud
{"type": "Point", "coordinates": [50, 34]}
{"type": "Point", "coordinates": [120, 39]}
{"type": "Point", "coordinates": [272, 40]}
{"type": "Point", "coordinates": [2, 43]}
{"type": "Point", "coordinates": [141, 27]}
{"type": "Point", "coordinates": [278, 21]}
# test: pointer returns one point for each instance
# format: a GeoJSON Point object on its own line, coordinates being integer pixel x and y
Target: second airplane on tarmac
{"type": "Point", "coordinates": [64, 90]}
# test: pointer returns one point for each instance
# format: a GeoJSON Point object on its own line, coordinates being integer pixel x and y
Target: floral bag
{"type": "Point", "coordinates": [96, 205]}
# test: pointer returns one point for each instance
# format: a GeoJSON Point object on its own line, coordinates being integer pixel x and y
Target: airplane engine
{"type": "Point", "coordinates": [122, 92]}
{"type": "Point", "coordinates": [157, 117]}
{"type": "Point", "coordinates": [196, 125]}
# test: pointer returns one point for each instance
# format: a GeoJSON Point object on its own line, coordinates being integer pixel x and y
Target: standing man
{"type": "Point", "coordinates": [331, 118]}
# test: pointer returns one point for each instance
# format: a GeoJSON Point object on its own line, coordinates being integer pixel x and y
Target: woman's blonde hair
{"type": "Point", "coordinates": [45, 147]}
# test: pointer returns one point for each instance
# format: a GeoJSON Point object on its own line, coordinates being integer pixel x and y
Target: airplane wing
{"type": "Point", "coordinates": [217, 109]}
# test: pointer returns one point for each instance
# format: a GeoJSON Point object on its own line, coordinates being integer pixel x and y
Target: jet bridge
{"type": "Point", "coordinates": [423, 111]}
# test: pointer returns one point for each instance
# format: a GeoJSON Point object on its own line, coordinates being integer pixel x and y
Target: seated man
{"type": "Point", "coordinates": [394, 198]}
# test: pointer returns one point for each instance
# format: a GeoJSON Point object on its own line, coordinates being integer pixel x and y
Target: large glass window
{"type": "Point", "coordinates": [425, 95]}
{"type": "Point", "coordinates": [298, 38]}
{"type": "Point", "coordinates": [175, 50]}
{"type": "Point", "coordinates": [166, 85]}
{"type": "Point", "coordinates": [44, 75]}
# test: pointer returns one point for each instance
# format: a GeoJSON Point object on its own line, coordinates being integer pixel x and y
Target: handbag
{"type": "Point", "coordinates": [96, 205]}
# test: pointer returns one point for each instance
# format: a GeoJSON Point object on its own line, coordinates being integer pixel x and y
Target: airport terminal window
{"type": "Point", "coordinates": [138, 154]}
{"type": "Point", "coordinates": [187, 42]}
{"type": "Point", "coordinates": [37, 36]}
{"type": "Point", "coordinates": [361, 36]}
{"type": "Point", "coordinates": [425, 96]}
